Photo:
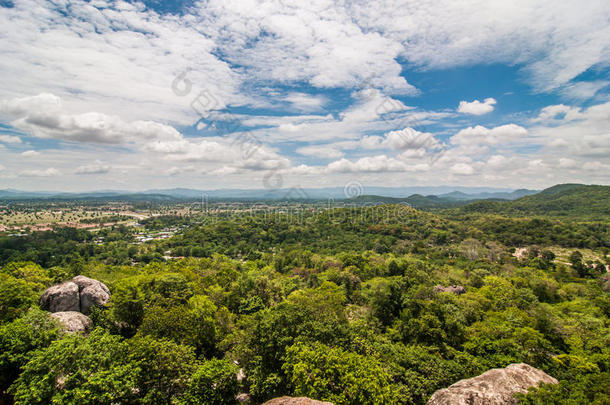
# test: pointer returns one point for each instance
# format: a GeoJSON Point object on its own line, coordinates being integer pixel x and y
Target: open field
{"type": "Point", "coordinates": [13, 218]}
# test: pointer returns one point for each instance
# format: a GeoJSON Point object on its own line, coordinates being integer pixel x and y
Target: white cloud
{"type": "Point", "coordinates": [497, 161]}
{"type": "Point", "coordinates": [558, 111]}
{"type": "Point", "coordinates": [372, 111]}
{"type": "Point", "coordinates": [567, 163]}
{"type": "Point", "coordinates": [554, 43]}
{"type": "Point", "coordinates": [321, 151]}
{"type": "Point", "coordinates": [97, 168]}
{"type": "Point", "coordinates": [305, 102]}
{"type": "Point", "coordinates": [41, 103]}
{"type": "Point", "coordinates": [50, 172]}
{"type": "Point", "coordinates": [410, 138]}
{"type": "Point", "coordinates": [476, 107]}
{"type": "Point", "coordinates": [10, 139]}
{"type": "Point", "coordinates": [318, 42]}
{"type": "Point", "coordinates": [582, 91]}
{"type": "Point", "coordinates": [176, 170]}
{"type": "Point", "coordinates": [44, 119]}
{"type": "Point", "coordinates": [596, 166]}
{"type": "Point", "coordinates": [120, 59]}
{"type": "Point", "coordinates": [575, 132]}
{"type": "Point", "coordinates": [461, 169]}
{"type": "Point", "coordinates": [114, 57]}
{"type": "Point", "coordinates": [481, 135]}
{"type": "Point", "coordinates": [30, 153]}
{"type": "Point", "coordinates": [225, 170]}
{"type": "Point", "coordinates": [375, 164]}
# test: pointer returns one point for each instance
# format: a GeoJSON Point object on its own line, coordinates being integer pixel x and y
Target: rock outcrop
{"type": "Point", "coordinates": [295, 401]}
{"type": "Point", "coordinates": [73, 321]}
{"type": "Point", "coordinates": [92, 292]}
{"type": "Point", "coordinates": [79, 294]}
{"type": "Point", "coordinates": [496, 386]}
{"type": "Point", "coordinates": [455, 289]}
{"type": "Point", "coordinates": [60, 298]}
{"type": "Point", "coordinates": [71, 302]}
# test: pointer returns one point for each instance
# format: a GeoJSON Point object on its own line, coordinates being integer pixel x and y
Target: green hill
{"type": "Point", "coordinates": [562, 200]}
{"type": "Point", "coordinates": [416, 201]}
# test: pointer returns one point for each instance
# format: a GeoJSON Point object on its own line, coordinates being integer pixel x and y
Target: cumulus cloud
{"type": "Point", "coordinates": [45, 103]}
{"type": "Point", "coordinates": [559, 111]}
{"type": "Point", "coordinates": [575, 132]}
{"type": "Point", "coordinates": [476, 107]}
{"type": "Point", "coordinates": [42, 117]}
{"type": "Point", "coordinates": [30, 153]}
{"type": "Point", "coordinates": [480, 135]}
{"type": "Point", "coordinates": [410, 138]}
{"type": "Point", "coordinates": [374, 164]}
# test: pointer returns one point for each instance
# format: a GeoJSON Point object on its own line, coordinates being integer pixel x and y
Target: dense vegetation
{"type": "Point", "coordinates": [564, 200]}
{"type": "Point", "coordinates": [338, 305]}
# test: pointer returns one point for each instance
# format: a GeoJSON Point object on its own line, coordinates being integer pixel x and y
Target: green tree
{"type": "Point", "coordinates": [78, 370]}
{"type": "Point", "coordinates": [164, 369]}
{"type": "Point", "coordinates": [577, 264]}
{"type": "Point", "coordinates": [214, 382]}
{"type": "Point", "coordinates": [332, 374]}
{"type": "Point", "coordinates": [16, 296]}
{"type": "Point", "coordinates": [19, 340]}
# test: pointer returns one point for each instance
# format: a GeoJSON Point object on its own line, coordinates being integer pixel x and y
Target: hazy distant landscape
{"type": "Point", "coordinates": [274, 202]}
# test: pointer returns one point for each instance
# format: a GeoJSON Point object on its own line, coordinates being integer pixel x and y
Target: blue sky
{"type": "Point", "coordinates": [211, 94]}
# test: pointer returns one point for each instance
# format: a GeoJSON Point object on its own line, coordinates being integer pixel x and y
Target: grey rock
{"type": "Point", "coordinates": [295, 401]}
{"type": "Point", "coordinates": [73, 321]}
{"type": "Point", "coordinates": [92, 292]}
{"type": "Point", "coordinates": [61, 297]}
{"type": "Point", "coordinates": [454, 289]}
{"type": "Point", "coordinates": [243, 398]}
{"type": "Point", "coordinates": [494, 387]}
{"type": "Point", "coordinates": [79, 294]}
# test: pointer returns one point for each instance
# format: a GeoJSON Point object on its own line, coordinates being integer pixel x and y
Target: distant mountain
{"type": "Point", "coordinates": [416, 201]}
{"type": "Point", "coordinates": [297, 193]}
{"type": "Point", "coordinates": [574, 200]}
{"type": "Point", "coordinates": [321, 193]}
{"type": "Point", "coordinates": [513, 195]}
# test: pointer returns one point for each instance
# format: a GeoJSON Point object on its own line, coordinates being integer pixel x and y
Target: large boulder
{"type": "Point", "coordinates": [92, 292]}
{"type": "Point", "coordinates": [79, 294]}
{"type": "Point", "coordinates": [495, 387]}
{"type": "Point", "coordinates": [73, 321]}
{"type": "Point", "coordinates": [62, 297]}
{"type": "Point", "coordinates": [295, 401]}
